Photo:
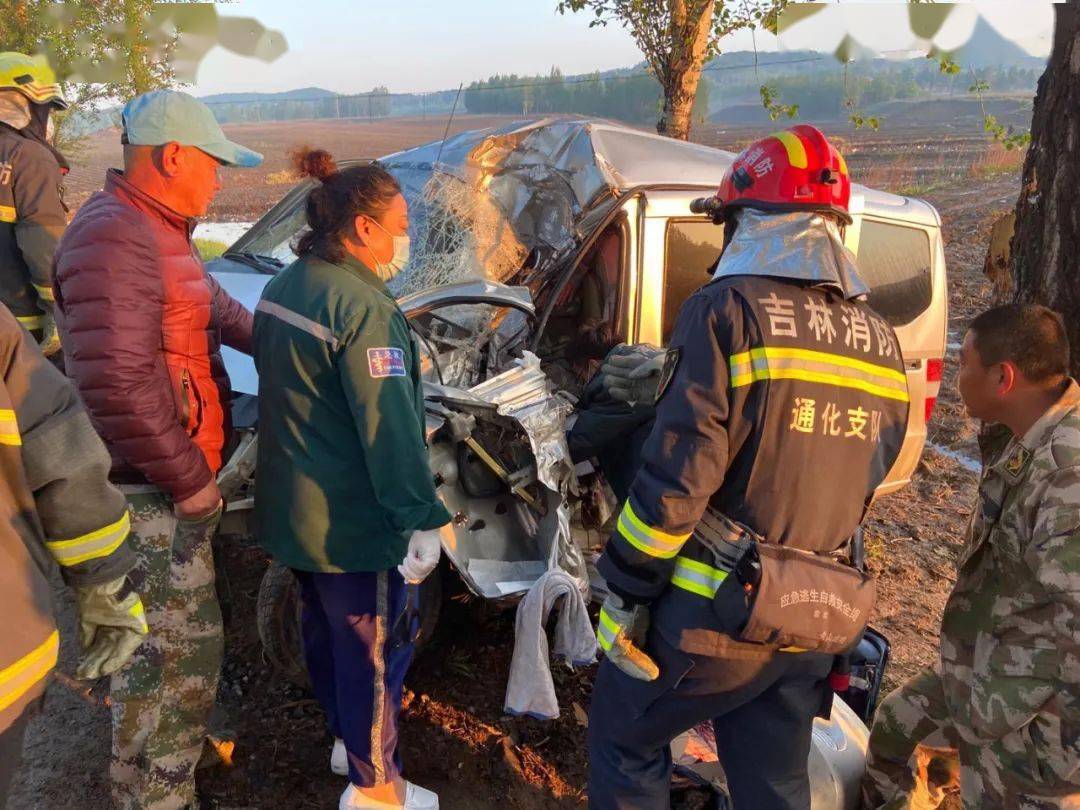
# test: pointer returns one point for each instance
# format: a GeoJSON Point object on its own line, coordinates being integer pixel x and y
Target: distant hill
{"type": "Point", "coordinates": [826, 90]}
{"type": "Point", "coordinates": [989, 48]}
{"type": "Point", "coordinates": [287, 95]}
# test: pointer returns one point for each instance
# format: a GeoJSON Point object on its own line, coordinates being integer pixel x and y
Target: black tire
{"type": "Point", "coordinates": [430, 607]}
{"type": "Point", "coordinates": [278, 617]}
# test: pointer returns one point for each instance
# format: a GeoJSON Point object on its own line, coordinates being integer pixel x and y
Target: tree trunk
{"type": "Point", "coordinates": [1046, 243]}
{"type": "Point", "coordinates": [675, 119]}
{"type": "Point", "coordinates": [690, 30]}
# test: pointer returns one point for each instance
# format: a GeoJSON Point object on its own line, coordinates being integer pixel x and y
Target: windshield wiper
{"type": "Point", "coordinates": [264, 264]}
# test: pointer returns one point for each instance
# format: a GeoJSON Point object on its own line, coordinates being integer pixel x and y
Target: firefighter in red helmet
{"type": "Point", "coordinates": [735, 574]}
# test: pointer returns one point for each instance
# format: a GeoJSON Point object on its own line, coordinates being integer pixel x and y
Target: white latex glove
{"type": "Point", "coordinates": [425, 546]}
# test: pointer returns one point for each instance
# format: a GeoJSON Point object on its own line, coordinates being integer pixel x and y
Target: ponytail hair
{"type": "Point", "coordinates": [338, 199]}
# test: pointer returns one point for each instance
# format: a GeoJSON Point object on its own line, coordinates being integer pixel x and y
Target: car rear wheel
{"type": "Point", "coordinates": [278, 616]}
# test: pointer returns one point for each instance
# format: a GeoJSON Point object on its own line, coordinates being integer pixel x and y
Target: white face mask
{"type": "Point", "coordinates": [400, 258]}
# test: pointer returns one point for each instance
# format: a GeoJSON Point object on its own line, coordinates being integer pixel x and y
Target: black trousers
{"type": "Point", "coordinates": [11, 751]}
{"type": "Point", "coordinates": [763, 712]}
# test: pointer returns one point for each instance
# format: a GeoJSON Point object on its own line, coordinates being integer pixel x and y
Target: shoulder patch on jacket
{"type": "Point", "coordinates": [386, 362]}
{"type": "Point", "coordinates": [667, 373]}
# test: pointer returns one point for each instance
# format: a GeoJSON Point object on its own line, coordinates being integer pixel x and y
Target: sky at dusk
{"type": "Point", "coordinates": [351, 46]}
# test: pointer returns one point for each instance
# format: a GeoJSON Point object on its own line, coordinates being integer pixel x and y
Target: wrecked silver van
{"type": "Point", "coordinates": [537, 246]}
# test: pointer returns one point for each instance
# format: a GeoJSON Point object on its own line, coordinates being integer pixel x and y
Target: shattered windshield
{"type": "Point", "coordinates": [457, 233]}
{"type": "Point", "coordinates": [483, 205]}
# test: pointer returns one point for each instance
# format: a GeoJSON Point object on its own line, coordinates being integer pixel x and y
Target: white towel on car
{"type": "Point", "coordinates": [530, 689]}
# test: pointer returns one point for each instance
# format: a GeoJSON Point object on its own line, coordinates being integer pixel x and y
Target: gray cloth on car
{"type": "Point", "coordinates": [530, 689]}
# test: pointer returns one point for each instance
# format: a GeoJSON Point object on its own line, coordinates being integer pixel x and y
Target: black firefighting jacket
{"type": "Point", "coordinates": [32, 218]}
{"type": "Point", "coordinates": [56, 506]}
{"type": "Point", "coordinates": [782, 406]}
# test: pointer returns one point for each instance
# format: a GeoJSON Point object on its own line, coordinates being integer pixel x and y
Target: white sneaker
{"type": "Point", "coordinates": [416, 798]}
{"type": "Point", "coordinates": [339, 759]}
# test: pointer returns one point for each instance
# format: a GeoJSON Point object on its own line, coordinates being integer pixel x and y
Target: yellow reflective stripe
{"type": "Point", "coordinates": [825, 379]}
{"type": "Point", "coordinates": [139, 612]}
{"type": "Point", "coordinates": [645, 538]}
{"type": "Point", "coordinates": [17, 679]}
{"type": "Point", "coordinates": [796, 151]}
{"type": "Point", "coordinates": [810, 355]}
{"type": "Point", "coordinates": [31, 321]}
{"type": "Point", "coordinates": [9, 428]}
{"type": "Point", "coordinates": [697, 577]}
{"type": "Point", "coordinates": [8, 213]}
{"type": "Point", "coordinates": [90, 546]}
{"type": "Point", "coordinates": [606, 631]}
{"type": "Point", "coordinates": [42, 92]}
{"type": "Point", "coordinates": [46, 293]}
{"type": "Point", "coordinates": [768, 363]}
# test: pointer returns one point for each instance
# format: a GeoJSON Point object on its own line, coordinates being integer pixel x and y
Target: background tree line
{"type": "Point", "coordinates": [625, 96]}
{"type": "Point", "coordinates": [307, 103]}
{"type": "Point", "coordinates": [823, 93]}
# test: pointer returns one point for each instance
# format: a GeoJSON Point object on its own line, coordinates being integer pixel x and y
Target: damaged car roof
{"type": "Point", "coordinates": [592, 155]}
{"type": "Point", "coordinates": [487, 202]}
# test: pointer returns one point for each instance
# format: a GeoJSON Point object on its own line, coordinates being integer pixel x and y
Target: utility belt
{"type": "Point", "coordinates": [763, 593]}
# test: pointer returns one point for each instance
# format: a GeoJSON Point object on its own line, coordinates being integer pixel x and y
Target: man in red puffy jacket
{"type": "Point", "coordinates": [143, 324]}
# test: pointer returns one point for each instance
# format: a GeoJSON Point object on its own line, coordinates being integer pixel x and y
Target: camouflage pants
{"type": "Point", "coordinates": [918, 756]}
{"type": "Point", "coordinates": [162, 700]}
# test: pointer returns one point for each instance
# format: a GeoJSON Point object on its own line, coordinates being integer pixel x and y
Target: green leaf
{"type": "Point", "coordinates": [927, 19]}
{"type": "Point", "coordinates": [792, 15]}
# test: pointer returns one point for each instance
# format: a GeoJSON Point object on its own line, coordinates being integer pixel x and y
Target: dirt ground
{"type": "Point", "coordinates": [455, 738]}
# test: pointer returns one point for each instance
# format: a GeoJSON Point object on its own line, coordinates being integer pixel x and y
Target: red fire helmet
{"type": "Point", "coordinates": [793, 170]}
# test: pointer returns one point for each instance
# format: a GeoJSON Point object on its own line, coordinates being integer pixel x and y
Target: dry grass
{"type": "Point", "coordinates": [997, 161]}
{"type": "Point", "coordinates": [282, 177]}
{"type": "Point", "coordinates": [210, 248]}
{"type": "Point", "coordinates": [912, 175]}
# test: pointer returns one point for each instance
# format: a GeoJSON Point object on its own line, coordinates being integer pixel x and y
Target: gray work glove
{"type": "Point", "coordinates": [111, 626]}
{"type": "Point", "coordinates": [631, 374]}
{"type": "Point", "coordinates": [50, 337]}
{"type": "Point", "coordinates": [621, 635]}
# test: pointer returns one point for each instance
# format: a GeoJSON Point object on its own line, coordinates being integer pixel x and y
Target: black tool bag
{"type": "Point", "coordinates": [783, 597]}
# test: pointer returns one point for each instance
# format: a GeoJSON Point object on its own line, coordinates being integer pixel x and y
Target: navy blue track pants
{"type": "Point", "coordinates": [358, 646]}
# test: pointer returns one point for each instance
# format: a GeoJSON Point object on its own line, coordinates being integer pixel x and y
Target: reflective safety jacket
{"type": "Point", "coordinates": [782, 406]}
{"type": "Point", "coordinates": [32, 217]}
{"type": "Point", "coordinates": [56, 505]}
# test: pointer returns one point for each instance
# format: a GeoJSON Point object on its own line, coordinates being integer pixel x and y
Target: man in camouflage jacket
{"type": "Point", "coordinates": [999, 717]}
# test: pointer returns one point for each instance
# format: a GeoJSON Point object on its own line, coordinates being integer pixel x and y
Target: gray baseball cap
{"type": "Point", "coordinates": [166, 116]}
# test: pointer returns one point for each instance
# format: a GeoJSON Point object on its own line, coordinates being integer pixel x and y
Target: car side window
{"type": "Point", "coordinates": [584, 323]}
{"type": "Point", "coordinates": [692, 248]}
{"type": "Point", "coordinates": [895, 263]}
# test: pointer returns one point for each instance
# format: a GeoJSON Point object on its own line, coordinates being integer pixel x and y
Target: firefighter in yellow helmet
{"type": "Point", "coordinates": [32, 213]}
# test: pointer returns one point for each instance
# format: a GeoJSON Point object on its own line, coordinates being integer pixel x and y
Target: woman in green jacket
{"type": "Point", "coordinates": [345, 496]}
